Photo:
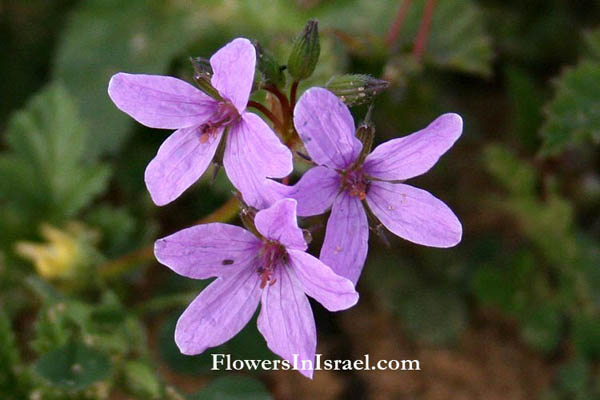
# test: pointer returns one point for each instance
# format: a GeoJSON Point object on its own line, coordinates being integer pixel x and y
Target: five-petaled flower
{"type": "Point", "coordinates": [272, 269]}
{"type": "Point", "coordinates": [343, 181]}
{"type": "Point", "coordinates": [252, 151]}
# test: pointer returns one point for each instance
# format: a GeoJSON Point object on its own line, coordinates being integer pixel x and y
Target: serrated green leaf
{"type": "Point", "coordinates": [234, 388]}
{"type": "Point", "coordinates": [103, 37]}
{"type": "Point", "coordinates": [117, 227]}
{"type": "Point", "coordinates": [457, 38]}
{"type": "Point", "coordinates": [514, 174]}
{"type": "Point", "coordinates": [74, 366]}
{"type": "Point", "coordinates": [573, 115]}
{"type": "Point", "coordinates": [47, 171]}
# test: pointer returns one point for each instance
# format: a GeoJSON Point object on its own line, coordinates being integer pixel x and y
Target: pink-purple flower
{"type": "Point", "coordinates": [271, 268]}
{"type": "Point", "coordinates": [252, 150]}
{"type": "Point", "coordinates": [347, 184]}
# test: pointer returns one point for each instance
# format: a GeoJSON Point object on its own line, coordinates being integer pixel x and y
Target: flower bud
{"type": "Point", "coordinates": [271, 71]}
{"type": "Point", "coordinates": [356, 89]}
{"type": "Point", "coordinates": [202, 75]}
{"type": "Point", "coordinates": [305, 52]}
{"type": "Point", "coordinates": [365, 133]}
{"type": "Point", "coordinates": [247, 215]}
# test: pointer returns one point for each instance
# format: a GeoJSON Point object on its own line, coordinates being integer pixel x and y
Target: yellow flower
{"type": "Point", "coordinates": [57, 257]}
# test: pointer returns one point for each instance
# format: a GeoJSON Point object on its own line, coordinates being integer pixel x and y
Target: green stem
{"type": "Point", "coordinates": [165, 302]}
{"type": "Point", "coordinates": [131, 260]}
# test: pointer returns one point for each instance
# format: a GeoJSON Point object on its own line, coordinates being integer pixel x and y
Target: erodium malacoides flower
{"type": "Point", "coordinates": [200, 121]}
{"type": "Point", "coordinates": [347, 180]}
{"type": "Point", "coordinates": [270, 267]}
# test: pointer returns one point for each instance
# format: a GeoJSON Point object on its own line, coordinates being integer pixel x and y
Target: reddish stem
{"type": "Point", "coordinates": [394, 31]}
{"type": "Point", "coordinates": [266, 112]}
{"type": "Point", "coordinates": [424, 28]}
{"type": "Point", "coordinates": [293, 92]}
{"type": "Point", "coordinates": [285, 105]}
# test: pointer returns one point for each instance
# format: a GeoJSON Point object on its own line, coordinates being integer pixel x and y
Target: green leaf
{"type": "Point", "coordinates": [47, 169]}
{"type": "Point", "coordinates": [234, 388]}
{"type": "Point", "coordinates": [142, 380]}
{"type": "Point", "coordinates": [586, 335]}
{"type": "Point", "coordinates": [541, 328]}
{"type": "Point", "coordinates": [457, 38]}
{"type": "Point", "coordinates": [14, 379]}
{"type": "Point", "coordinates": [117, 226]}
{"type": "Point", "coordinates": [9, 353]}
{"type": "Point", "coordinates": [525, 107]}
{"type": "Point", "coordinates": [103, 37]}
{"type": "Point", "coordinates": [592, 44]}
{"type": "Point", "coordinates": [573, 376]}
{"type": "Point", "coordinates": [74, 366]}
{"type": "Point", "coordinates": [514, 174]}
{"type": "Point", "coordinates": [573, 115]}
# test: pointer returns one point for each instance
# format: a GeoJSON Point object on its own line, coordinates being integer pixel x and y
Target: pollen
{"type": "Point", "coordinates": [355, 184]}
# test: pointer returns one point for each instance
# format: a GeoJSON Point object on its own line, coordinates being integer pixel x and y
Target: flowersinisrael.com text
{"type": "Point", "coordinates": [225, 362]}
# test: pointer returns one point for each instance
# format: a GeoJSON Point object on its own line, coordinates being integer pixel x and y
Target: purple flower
{"type": "Point", "coordinates": [169, 103]}
{"type": "Point", "coordinates": [272, 268]}
{"type": "Point", "coordinates": [344, 183]}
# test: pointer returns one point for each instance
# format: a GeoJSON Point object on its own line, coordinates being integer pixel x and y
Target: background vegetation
{"type": "Point", "coordinates": [513, 312]}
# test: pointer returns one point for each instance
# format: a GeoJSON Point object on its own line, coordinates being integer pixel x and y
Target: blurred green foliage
{"type": "Point", "coordinates": [524, 180]}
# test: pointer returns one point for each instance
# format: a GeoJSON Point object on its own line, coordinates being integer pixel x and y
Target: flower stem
{"type": "Point", "coordinates": [165, 302]}
{"type": "Point", "coordinates": [285, 105]}
{"type": "Point", "coordinates": [276, 122]}
{"type": "Point", "coordinates": [131, 260]}
{"type": "Point", "coordinates": [394, 31]}
{"type": "Point", "coordinates": [293, 92]}
{"type": "Point", "coordinates": [424, 28]}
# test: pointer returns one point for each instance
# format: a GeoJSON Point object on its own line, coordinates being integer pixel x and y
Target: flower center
{"type": "Point", "coordinates": [354, 183]}
{"type": "Point", "coordinates": [224, 115]}
{"type": "Point", "coordinates": [270, 255]}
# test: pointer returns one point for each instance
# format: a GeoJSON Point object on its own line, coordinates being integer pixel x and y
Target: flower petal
{"type": "Point", "coordinates": [254, 152]}
{"type": "Point", "coordinates": [233, 71]}
{"type": "Point", "coordinates": [414, 154]}
{"type": "Point", "coordinates": [315, 191]}
{"type": "Point", "coordinates": [286, 320]}
{"type": "Point", "coordinates": [160, 101]}
{"type": "Point", "coordinates": [278, 223]}
{"type": "Point", "coordinates": [180, 162]}
{"type": "Point", "coordinates": [321, 283]}
{"type": "Point", "coordinates": [326, 127]}
{"type": "Point", "coordinates": [219, 312]}
{"type": "Point", "coordinates": [346, 238]}
{"type": "Point", "coordinates": [207, 250]}
{"type": "Point", "coordinates": [414, 214]}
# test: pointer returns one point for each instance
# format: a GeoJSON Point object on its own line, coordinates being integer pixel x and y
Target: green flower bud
{"type": "Point", "coordinates": [356, 89]}
{"type": "Point", "coordinates": [365, 133]}
{"type": "Point", "coordinates": [202, 75]}
{"type": "Point", "coordinates": [271, 71]}
{"type": "Point", "coordinates": [305, 52]}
